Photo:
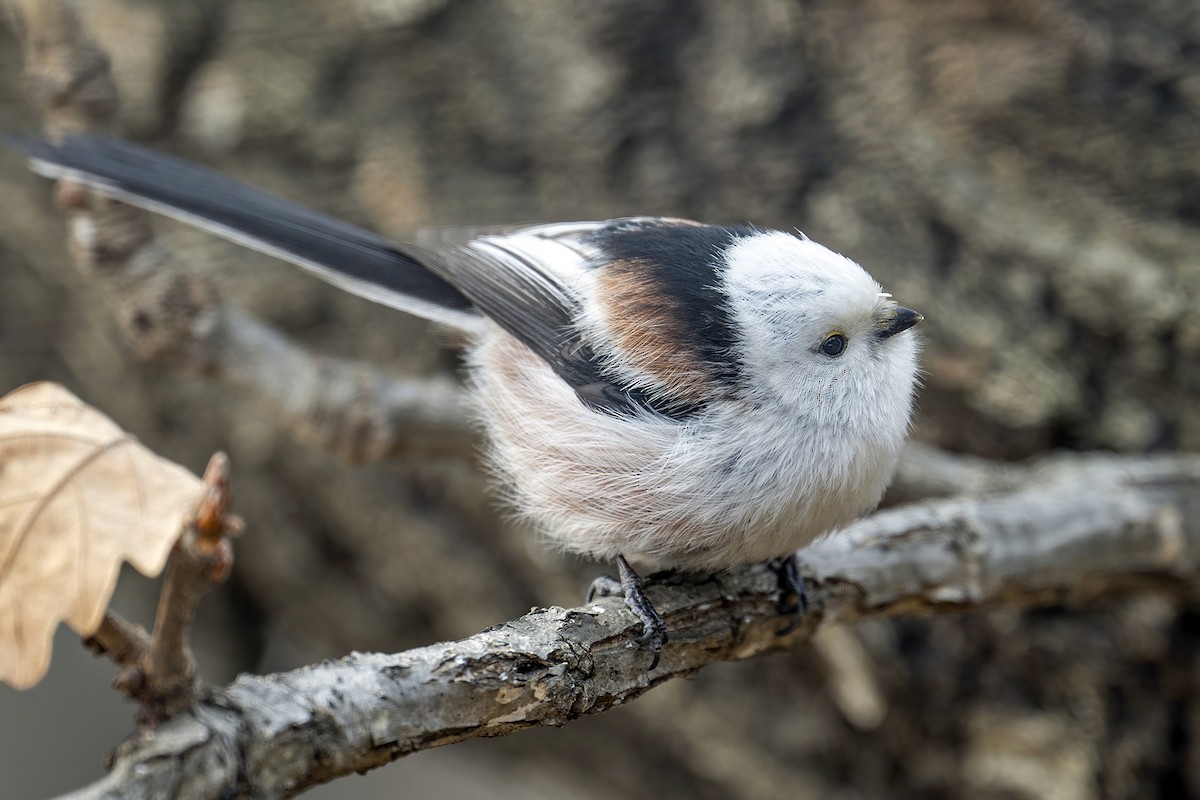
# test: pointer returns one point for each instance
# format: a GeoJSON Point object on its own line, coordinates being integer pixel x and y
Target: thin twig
{"type": "Point", "coordinates": [159, 671]}
{"type": "Point", "coordinates": [121, 641]}
{"type": "Point", "coordinates": [164, 679]}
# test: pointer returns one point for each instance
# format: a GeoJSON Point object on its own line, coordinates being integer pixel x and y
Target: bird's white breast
{"type": "Point", "coordinates": [737, 484]}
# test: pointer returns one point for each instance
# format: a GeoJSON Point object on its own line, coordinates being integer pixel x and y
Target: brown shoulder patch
{"type": "Point", "coordinates": [642, 317]}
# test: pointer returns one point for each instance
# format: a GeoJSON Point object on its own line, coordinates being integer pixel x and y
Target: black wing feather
{"type": "Point", "coordinates": [214, 201]}
{"type": "Point", "coordinates": [459, 279]}
{"type": "Point", "coordinates": [537, 311]}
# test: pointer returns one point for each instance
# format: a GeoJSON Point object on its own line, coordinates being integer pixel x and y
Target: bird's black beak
{"type": "Point", "coordinates": [901, 319]}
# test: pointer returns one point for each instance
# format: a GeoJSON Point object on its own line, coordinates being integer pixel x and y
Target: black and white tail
{"type": "Point", "coordinates": [346, 256]}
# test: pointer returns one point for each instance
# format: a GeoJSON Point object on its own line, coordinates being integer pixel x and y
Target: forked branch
{"type": "Point", "coordinates": [158, 669]}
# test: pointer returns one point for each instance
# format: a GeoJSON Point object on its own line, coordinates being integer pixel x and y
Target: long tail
{"type": "Point", "coordinates": [349, 257]}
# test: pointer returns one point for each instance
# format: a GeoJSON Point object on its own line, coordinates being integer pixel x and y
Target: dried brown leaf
{"type": "Point", "coordinates": [78, 496]}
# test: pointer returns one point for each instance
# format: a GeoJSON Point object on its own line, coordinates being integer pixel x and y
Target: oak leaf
{"type": "Point", "coordinates": [78, 496]}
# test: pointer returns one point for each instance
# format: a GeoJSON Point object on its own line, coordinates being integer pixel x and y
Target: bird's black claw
{"type": "Point", "coordinates": [654, 630]}
{"type": "Point", "coordinates": [630, 585]}
{"type": "Point", "coordinates": [604, 586]}
{"type": "Point", "coordinates": [793, 599]}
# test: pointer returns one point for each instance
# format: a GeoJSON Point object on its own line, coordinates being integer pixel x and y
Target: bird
{"type": "Point", "coordinates": [671, 393]}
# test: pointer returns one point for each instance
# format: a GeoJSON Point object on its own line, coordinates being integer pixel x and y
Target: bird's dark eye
{"type": "Point", "coordinates": [834, 345]}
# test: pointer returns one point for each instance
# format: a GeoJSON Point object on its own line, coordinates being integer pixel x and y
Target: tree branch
{"type": "Point", "coordinates": [158, 669]}
{"type": "Point", "coordinates": [348, 407]}
{"type": "Point", "coordinates": [925, 473]}
{"type": "Point", "coordinates": [1081, 528]}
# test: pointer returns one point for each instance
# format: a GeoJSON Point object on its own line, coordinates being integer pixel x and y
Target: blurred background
{"type": "Point", "coordinates": [1026, 173]}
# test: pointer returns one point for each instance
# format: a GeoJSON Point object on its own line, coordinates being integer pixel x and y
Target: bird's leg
{"type": "Point", "coordinates": [793, 599]}
{"type": "Point", "coordinates": [630, 585]}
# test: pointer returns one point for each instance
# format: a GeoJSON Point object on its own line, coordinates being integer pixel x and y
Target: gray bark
{"type": "Point", "coordinates": [1085, 527]}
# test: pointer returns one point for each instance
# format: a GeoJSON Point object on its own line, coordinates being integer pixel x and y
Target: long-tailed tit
{"type": "Point", "coordinates": [682, 395]}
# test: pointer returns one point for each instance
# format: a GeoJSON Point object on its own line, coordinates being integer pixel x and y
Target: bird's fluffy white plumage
{"type": "Point", "coordinates": [678, 394]}
{"type": "Point", "coordinates": [809, 447]}
{"type": "Point", "coordinates": [651, 388]}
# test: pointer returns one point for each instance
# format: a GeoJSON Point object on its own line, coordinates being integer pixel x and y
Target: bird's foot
{"type": "Point", "coordinates": [793, 598]}
{"type": "Point", "coordinates": [630, 585]}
